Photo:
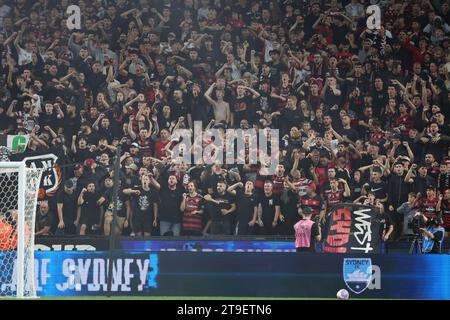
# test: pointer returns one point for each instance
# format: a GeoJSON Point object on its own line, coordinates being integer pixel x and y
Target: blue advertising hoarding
{"type": "Point", "coordinates": [136, 273]}
{"type": "Point", "coordinates": [208, 245]}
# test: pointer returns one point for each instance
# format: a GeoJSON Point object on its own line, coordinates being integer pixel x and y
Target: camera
{"type": "Point", "coordinates": [416, 224]}
{"type": "Point", "coordinates": [316, 219]}
{"type": "Point", "coordinates": [434, 222]}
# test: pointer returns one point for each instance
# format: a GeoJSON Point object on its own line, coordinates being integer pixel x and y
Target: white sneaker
{"type": "Point", "coordinates": [132, 234]}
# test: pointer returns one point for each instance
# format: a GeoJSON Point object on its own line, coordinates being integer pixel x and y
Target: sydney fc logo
{"type": "Point", "coordinates": [357, 273]}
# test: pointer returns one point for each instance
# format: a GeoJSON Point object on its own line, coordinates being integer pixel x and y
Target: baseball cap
{"type": "Point", "coordinates": [132, 167]}
{"type": "Point", "coordinates": [271, 52]}
{"type": "Point", "coordinates": [68, 184]}
{"type": "Point", "coordinates": [396, 136]}
{"type": "Point", "coordinates": [405, 158]}
{"type": "Point", "coordinates": [134, 144]}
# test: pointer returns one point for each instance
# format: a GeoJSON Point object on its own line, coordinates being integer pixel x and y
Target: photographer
{"type": "Point", "coordinates": [386, 224]}
{"type": "Point", "coordinates": [433, 235]}
{"type": "Point", "coordinates": [408, 210]}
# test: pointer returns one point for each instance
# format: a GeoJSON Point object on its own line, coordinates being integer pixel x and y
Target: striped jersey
{"type": "Point", "coordinates": [193, 221]}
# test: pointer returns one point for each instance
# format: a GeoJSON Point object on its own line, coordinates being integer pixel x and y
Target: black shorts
{"type": "Point", "coordinates": [84, 219]}
{"type": "Point", "coordinates": [142, 223]}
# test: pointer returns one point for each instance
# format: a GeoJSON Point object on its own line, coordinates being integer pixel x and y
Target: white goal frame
{"type": "Point", "coordinates": [20, 167]}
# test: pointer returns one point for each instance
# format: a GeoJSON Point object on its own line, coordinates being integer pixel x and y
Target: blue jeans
{"type": "Point", "coordinates": [166, 226]}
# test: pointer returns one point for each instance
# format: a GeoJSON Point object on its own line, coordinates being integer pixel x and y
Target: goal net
{"type": "Point", "coordinates": [18, 196]}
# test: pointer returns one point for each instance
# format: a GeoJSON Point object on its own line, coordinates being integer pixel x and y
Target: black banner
{"type": "Point", "coordinates": [352, 228]}
{"type": "Point", "coordinates": [53, 161]}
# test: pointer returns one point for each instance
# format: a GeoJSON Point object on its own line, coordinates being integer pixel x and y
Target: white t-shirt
{"type": "Point", "coordinates": [24, 57]}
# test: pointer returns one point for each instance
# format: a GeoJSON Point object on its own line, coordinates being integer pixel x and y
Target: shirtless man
{"type": "Point", "coordinates": [221, 108]}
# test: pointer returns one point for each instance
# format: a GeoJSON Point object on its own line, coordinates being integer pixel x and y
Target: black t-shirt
{"type": "Point", "coordinates": [226, 200]}
{"type": "Point", "coordinates": [44, 220]}
{"type": "Point", "coordinates": [95, 81]}
{"type": "Point", "coordinates": [170, 204]}
{"type": "Point", "coordinates": [268, 204]}
{"type": "Point", "coordinates": [91, 138]}
{"type": "Point", "coordinates": [385, 222]}
{"type": "Point", "coordinates": [69, 202]}
{"type": "Point", "coordinates": [121, 202]}
{"type": "Point", "coordinates": [379, 189]}
{"type": "Point", "coordinates": [179, 110]}
{"type": "Point", "coordinates": [242, 109]}
{"type": "Point", "coordinates": [245, 205]}
{"type": "Point", "coordinates": [291, 118]}
{"type": "Point", "coordinates": [143, 203]}
{"type": "Point", "coordinates": [352, 134]}
{"type": "Point", "coordinates": [90, 209]}
{"type": "Point", "coordinates": [276, 70]}
{"type": "Point", "coordinates": [50, 120]}
{"type": "Point", "coordinates": [211, 182]}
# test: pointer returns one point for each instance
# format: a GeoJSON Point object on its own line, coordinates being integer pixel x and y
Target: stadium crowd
{"type": "Point", "coordinates": [362, 113]}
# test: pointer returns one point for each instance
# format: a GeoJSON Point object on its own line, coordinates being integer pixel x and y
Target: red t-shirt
{"type": "Point", "coordinates": [159, 149]}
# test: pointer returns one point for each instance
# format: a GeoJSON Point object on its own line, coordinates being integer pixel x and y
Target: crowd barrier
{"type": "Point", "coordinates": [215, 244]}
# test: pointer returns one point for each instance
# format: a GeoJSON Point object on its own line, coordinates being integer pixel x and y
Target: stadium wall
{"type": "Point", "coordinates": [216, 244]}
{"type": "Point", "coordinates": [137, 273]}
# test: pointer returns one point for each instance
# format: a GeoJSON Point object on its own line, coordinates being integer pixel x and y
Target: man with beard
{"type": "Point", "coordinates": [223, 206]}
{"type": "Point", "coordinates": [145, 204]}
{"type": "Point", "coordinates": [66, 204]}
{"type": "Point", "coordinates": [313, 201]}
{"type": "Point", "coordinates": [86, 131]}
{"type": "Point", "coordinates": [192, 208]}
{"type": "Point", "coordinates": [434, 141]}
{"type": "Point", "coordinates": [89, 215]}
{"type": "Point", "coordinates": [397, 192]}
{"type": "Point", "coordinates": [25, 118]}
{"type": "Point", "coordinates": [124, 212]}
{"type": "Point", "coordinates": [269, 210]}
{"type": "Point", "coordinates": [171, 196]}
{"type": "Point", "coordinates": [419, 180]}
{"type": "Point", "coordinates": [429, 203]}
{"type": "Point", "coordinates": [247, 208]}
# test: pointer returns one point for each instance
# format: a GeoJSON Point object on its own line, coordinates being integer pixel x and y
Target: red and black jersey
{"type": "Point", "coordinates": [145, 147]}
{"type": "Point", "coordinates": [333, 198]}
{"type": "Point", "coordinates": [193, 221]}
{"type": "Point", "coordinates": [260, 178]}
{"type": "Point", "coordinates": [445, 211]}
{"type": "Point", "coordinates": [283, 92]}
{"type": "Point", "coordinates": [314, 101]}
{"type": "Point", "coordinates": [315, 203]}
{"type": "Point", "coordinates": [428, 207]}
{"type": "Point", "coordinates": [377, 137]}
{"type": "Point", "coordinates": [302, 185]}
{"type": "Point", "coordinates": [278, 184]}
{"type": "Point", "coordinates": [406, 120]}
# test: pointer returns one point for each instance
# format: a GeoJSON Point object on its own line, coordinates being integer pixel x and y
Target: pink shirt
{"type": "Point", "coordinates": [303, 233]}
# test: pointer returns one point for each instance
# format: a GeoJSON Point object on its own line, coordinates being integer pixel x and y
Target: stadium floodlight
{"type": "Point", "coordinates": [19, 187]}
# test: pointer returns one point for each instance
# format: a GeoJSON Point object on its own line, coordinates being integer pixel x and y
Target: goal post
{"type": "Point", "coordinates": [19, 187]}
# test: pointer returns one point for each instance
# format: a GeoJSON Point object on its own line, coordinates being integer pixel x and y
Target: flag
{"type": "Point", "coordinates": [52, 161]}
{"type": "Point", "coordinates": [353, 228]}
{"type": "Point", "coordinates": [15, 143]}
